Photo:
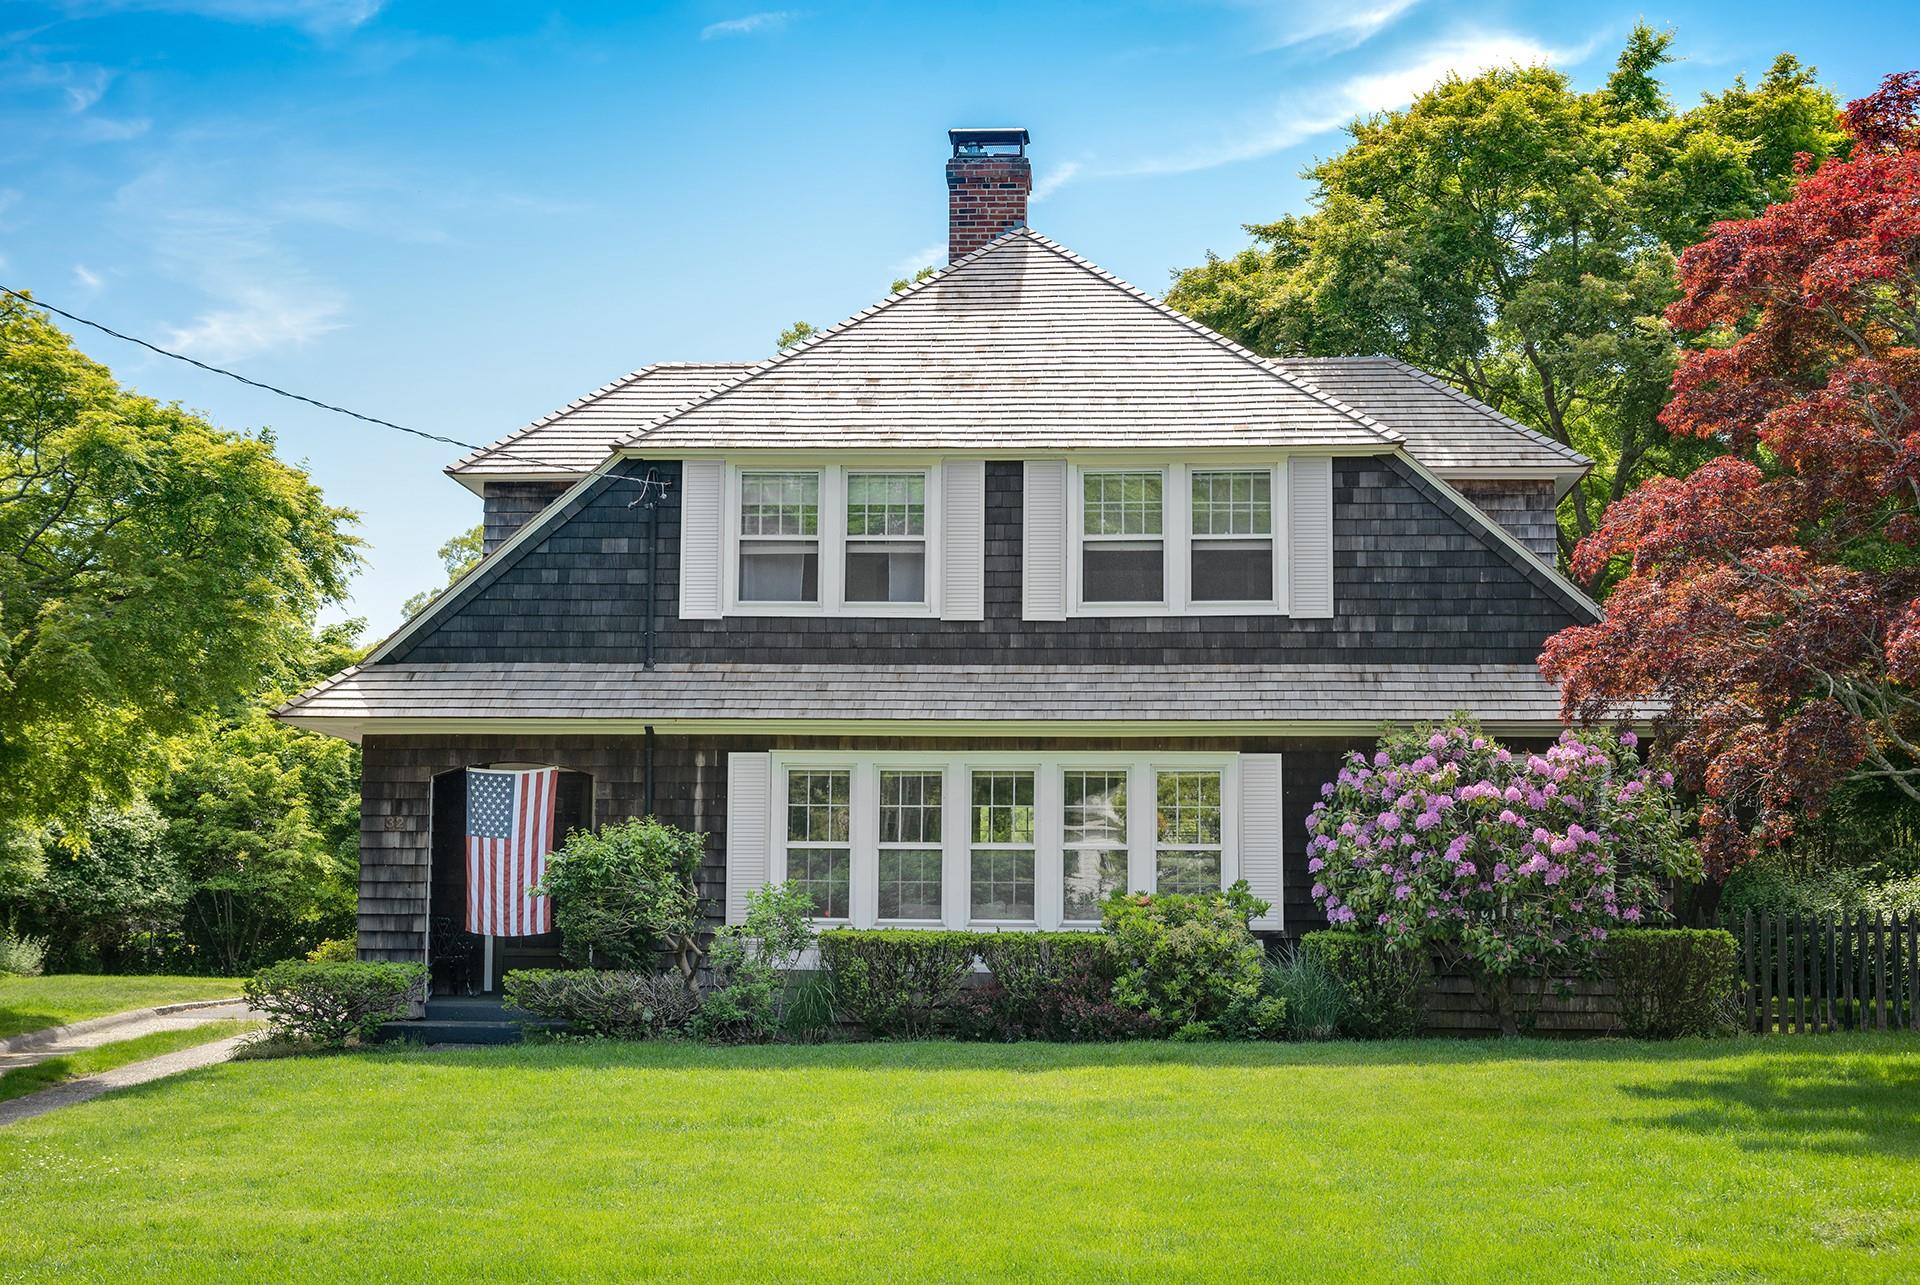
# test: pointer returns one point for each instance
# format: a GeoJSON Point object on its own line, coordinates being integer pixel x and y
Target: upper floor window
{"type": "Point", "coordinates": [1123, 548]}
{"type": "Point", "coordinates": [779, 537]}
{"type": "Point", "coordinates": [1232, 546]}
{"type": "Point", "coordinates": [886, 537]}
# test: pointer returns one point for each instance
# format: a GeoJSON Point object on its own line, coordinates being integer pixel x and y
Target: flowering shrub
{"type": "Point", "coordinates": [1505, 863]}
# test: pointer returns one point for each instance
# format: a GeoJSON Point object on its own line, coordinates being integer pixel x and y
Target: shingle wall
{"type": "Point", "coordinates": [1415, 580]}
{"type": "Point", "coordinates": [507, 506]}
{"type": "Point", "coordinates": [1525, 508]}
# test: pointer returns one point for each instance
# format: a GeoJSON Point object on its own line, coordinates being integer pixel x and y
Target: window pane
{"type": "Point", "coordinates": [1092, 875]}
{"type": "Point", "coordinates": [779, 504]}
{"type": "Point", "coordinates": [1189, 808]}
{"type": "Point", "coordinates": [1232, 571]}
{"type": "Point", "coordinates": [910, 883]}
{"type": "Point", "coordinates": [886, 504]}
{"type": "Point", "coordinates": [1002, 883]}
{"type": "Point", "coordinates": [1003, 807]}
{"type": "Point", "coordinates": [1096, 808]}
{"type": "Point", "coordinates": [1122, 573]}
{"type": "Point", "coordinates": [910, 807]}
{"type": "Point", "coordinates": [817, 806]}
{"type": "Point", "coordinates": [1182, 871]}
{"type": "Point", "coordinates": [1121, 503]}
{"type": "Point", "coordinates": [1233, 503]}
{"type": "Point", "coordinates": [886, 573]}
{"type": "Point", "coordinates": [824, 874]}
{"type": "Point", "coordinates": [779, 573]}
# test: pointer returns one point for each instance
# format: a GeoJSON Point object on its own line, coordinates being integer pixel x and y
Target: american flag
{"type": "Point", "coordinates": [509, 834]}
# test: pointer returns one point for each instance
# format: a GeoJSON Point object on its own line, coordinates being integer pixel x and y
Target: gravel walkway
{"type": "Point", "coordinates": [92, 1086]}
{"type": "Point", "coordinates": [110, 1030]}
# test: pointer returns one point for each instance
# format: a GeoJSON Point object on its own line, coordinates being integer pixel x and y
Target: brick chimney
{"type": "Point", "coordinates": [988, 180]}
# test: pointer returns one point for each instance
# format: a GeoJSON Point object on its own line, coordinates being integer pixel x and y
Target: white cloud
{"type": "Point", "coordinates": [1302, 116]}
{"type": "Point", "coordinates": [1055, 179]}
{"type": "Point", "coordinates": [260, 318]}
{"type": "Point", "coordinates": [1334, 24]}
{"type": "Point", "coordinates": [319, 17]}
{"type": "Point", "coordinates": [752, 24]}
{"type": "Point", "coordinates": [87, 278]}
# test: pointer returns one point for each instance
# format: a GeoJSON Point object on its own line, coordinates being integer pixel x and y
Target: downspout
{"type": "Point", "coordinates": [652, 492]}
{"type": "Point", "coordinates": [646, 759]}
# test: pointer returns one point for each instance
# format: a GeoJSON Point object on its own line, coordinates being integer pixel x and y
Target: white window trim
{"type": "Point", "coordinates": [832, 536]}
{"type": "Point", "coordinates": [956, 796]}
{"type": "Point", "coordinates": [1176, 534]}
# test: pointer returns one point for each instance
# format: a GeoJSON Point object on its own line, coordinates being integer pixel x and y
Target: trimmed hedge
{"type": "Point", "coordinates": [1382, 984]}
{"type": "Point", "coordinates": [626, 1005]}
{"type": "Point", "coordinates": [1048, 986]}
{"type": "Point", "coordinates": [897, 982]}
{"type": "Point", "coordinates": [1674, 982]}
{"type": "Point", "coordinates": [328, 1003]}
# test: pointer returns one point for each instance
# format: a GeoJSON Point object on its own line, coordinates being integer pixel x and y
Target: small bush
{"type": "Point", "coordinates": [21, 956]}
{"type": "Point", "coordinates": [1190, 962]}
{"type": "Point", "coordinates": [1673, 982]}
{"type": "Point", "coordinates": [898, 982]}
{"type": "Point", "coordinates": [1380, 983]}
{"type": "Point", "coordinates": [1047, 986]}
{"type": "Point", "coordinates": [625, 1005]}
{"type": "Point", "coordinates": [625, 892]}
{"type": "Point", "coordinates": [328, 1004]}
{"type": "Point", "coordinates": [334, 950]}
{"type": "Point", "coordinates": [751, 961]}
{"type": "Point", "coordinates": [1316, 1000]}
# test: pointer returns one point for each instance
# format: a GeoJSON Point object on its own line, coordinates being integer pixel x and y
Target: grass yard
{"type": "Point", "coordinates": [1794, 1158]}
{"type": "Point", "coordinates": [34, 1003]}
{"type": "Point", "coordinates": [22, 1080]}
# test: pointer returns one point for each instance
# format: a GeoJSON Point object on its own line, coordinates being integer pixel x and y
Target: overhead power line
{"type": "Point", "coordinates": [645, 484]}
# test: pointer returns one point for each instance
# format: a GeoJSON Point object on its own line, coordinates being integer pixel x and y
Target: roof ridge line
{"type": "Point", "coordinates": [791, 351]}
{"type": "Point", "coordinates": [1427, 376]}
{"type": "Point", "coordinates": [1167, 310]}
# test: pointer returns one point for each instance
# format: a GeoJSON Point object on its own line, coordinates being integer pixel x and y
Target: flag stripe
{"type": "Point", "coordinates": [511, 823]}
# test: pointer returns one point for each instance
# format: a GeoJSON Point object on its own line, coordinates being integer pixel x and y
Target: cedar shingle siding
{"type": "Point", "coordinates": [1415, 581]}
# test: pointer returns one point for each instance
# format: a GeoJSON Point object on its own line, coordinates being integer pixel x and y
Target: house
{"type": "Point", "coordinates": [1013, 589]}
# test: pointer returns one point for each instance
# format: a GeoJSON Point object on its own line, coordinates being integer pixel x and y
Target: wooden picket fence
{"type": "Point", "coordinates": [1806, 974]}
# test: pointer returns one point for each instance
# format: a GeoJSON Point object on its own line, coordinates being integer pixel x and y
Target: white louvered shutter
{"type": "Point", "coordinates": [703, 511]}
{"type": "Point", "coordinates": [1261, 833]}
{"type": "Point", "coordinates": [749, 836]}
{"type": "Point", "coordinates": [1043, 541]}
{"type": "Point", "coordinates": [1310, 537]}
{"type": "Point", "coordinates": [963, 555]}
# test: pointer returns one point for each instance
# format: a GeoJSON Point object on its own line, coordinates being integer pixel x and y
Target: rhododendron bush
{"type": "Point", "coordinates": [1504, 862]}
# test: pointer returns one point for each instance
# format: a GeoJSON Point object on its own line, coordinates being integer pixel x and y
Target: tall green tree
{"type": "Point", "coordinates": [1518, 237]}
{"type": "Point", "coordinates": [153, 568]}
{"type": "Point", "coordinates": [459, 555]}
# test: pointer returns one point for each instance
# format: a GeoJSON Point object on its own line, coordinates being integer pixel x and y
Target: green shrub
{"type": "Point", "coordinates": [327, 1004]}
{"type": "Point", "coordinates": [1674, 982]}
{"type": "Point", "coordinates": [625, 892]}
{"type": "Point", "coordinates": [625, 1005]}
{"type": "Point", "coordinates": [1047, 986]}
{"type": "Point", "coordinates": [1190, 962]}
{"type": "Point", "coordinates": [1316, 1000]}
{"type": "Point", "coordinates": [898, 982]}
{"type": "Point", "coordinates": [812, 1011]}
{"type": "Point", "coordinates": [21, 955]}
{"type": "Point", "coordinates": [1380, 985]}
{"type": "Point", "coordinates": [334, 950]}
{"type": "Point", "coordinates": [751, 961]}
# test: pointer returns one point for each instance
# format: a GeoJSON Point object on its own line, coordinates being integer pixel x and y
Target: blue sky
{"type": "Point", "coordinates": [459, 216]}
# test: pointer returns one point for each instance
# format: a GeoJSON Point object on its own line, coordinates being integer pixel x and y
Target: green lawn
{"type": "Point", "coordinates": [22, 1080]}
{"type": "Point", "coordinates": [1794, 1158]}
{"type": "Point", "coordinates": [32, 1003]}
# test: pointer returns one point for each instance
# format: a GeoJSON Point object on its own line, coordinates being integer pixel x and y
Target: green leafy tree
{"type": "Point", "coordinates": [624, 893]}
{"type": "Point", "coordinates": [1518, 237]}
{"type": "Point", "coordinates": [459, 556]}
{"type": "Point", "coordinates": [153, 568]}
{"type": "Point", "coordinates": [110, 903]}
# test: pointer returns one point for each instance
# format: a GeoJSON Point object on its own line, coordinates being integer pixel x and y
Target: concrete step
{"type": "Point", "coordinates": [473, 1008]}
{"type": "Point", "coordinates": [429, 1031]}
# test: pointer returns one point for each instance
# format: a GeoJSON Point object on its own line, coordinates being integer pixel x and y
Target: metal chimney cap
{"type": "Point", "coordinates": [988, 142]}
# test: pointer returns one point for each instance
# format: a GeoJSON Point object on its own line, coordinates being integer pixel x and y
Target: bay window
{"type": "Point", "coordinates": [886, 537]}
{"type": "Point", "coordinates": [779, 537]}
{"type": "Point", "coordinates": [1123, 548]}
{"type": "Point", "coordinates": [1232, 544]}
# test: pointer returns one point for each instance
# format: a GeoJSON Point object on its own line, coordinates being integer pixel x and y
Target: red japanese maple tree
{"type": "Point", "coordinates": [1771, 599]}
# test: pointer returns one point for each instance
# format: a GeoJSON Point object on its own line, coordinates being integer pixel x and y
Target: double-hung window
{"type": "Point", "coordinates": [911, 855]}
{"type": "Point", "coordinates": [1188, 843]}
{"type": "Point", "coordinates": [1231, 553]}
{"type": "Point", "coordinates": [1000, 875]}
{"type": "Point", "coordinates": [886, 537]}
{"type": "Point", "coordinates": [1094, 840]}
{"type": "Point", "coordinates": [1123, 540]}
{"type": "Point", "coordinates": [820, 838]}
{"type": "Point", "coordinates": [779, 537]}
